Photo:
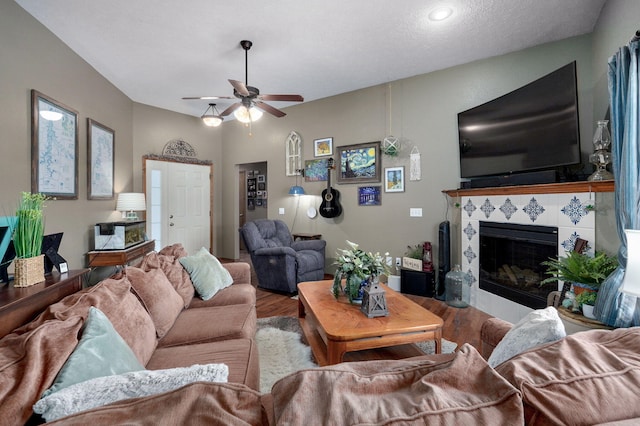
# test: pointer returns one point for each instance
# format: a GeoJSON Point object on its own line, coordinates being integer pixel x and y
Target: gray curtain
{"type": "Point", "coordinates": [612, 306]}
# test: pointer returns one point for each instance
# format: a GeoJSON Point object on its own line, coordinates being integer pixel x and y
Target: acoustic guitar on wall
{"type": "Point", "coordinates": [330, 206]}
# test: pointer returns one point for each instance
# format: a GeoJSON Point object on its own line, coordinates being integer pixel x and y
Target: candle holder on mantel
{"type": "Point", "coordinates": [601, 156]}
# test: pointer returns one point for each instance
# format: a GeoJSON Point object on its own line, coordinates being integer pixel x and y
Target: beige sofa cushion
{"type": "Point", "coordinates": [462, 390]}
{"type": "Point", "coordinates": [586, 378]}
{"type": "Point", "coordinates": [170, 265]}
{"type": "Point", "coordinates": [161, 300]}
{"type": "Point", "coordinates": [240, 355]}
{"type": "Point", "coordinates": [200, 325]}
{"type": "Point", "coordinates": [195, 404]}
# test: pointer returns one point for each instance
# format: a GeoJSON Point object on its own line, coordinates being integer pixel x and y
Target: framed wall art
{"type": "Point", "coordinates": [54, 148]}
{"type": "Point", "coordinates": [359, 163]}
{"type": "Point", "coordinates": [369, 196]}
{"type": "Point", "coordinates": [315, 170]}
{"type": "Point", "coordinates": [100, 161]}
{"type": "Point", "coordinates": [394, 179]}
{"type": "Point", "coordinates": [323, 147]}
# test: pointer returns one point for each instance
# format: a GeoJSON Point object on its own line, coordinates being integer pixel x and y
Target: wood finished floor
{"type": "Point", "coordinates": [460, 325]}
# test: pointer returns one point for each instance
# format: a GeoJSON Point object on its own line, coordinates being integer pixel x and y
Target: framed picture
{"type": "Point", "coordinates": [251, 204]}
{"type": "Point", "coordinates": [100, 161]}
{"type": "Point", "coordinates": [261, 178]}
{"type": "Point", "coordinates": [369, 196]}
{"type": "Point", "coordinates": [315, 170]}
{"type": "Point", "coordinates": [323, 147]}
{"type": "Point", "coordinates": [261, 186]}
{"type": "Point", "coordinates": [54, 148]}
{"type": "Point", "coordinates": [394, 179]}
{"type": "Point", "coordinates": [359, 163]}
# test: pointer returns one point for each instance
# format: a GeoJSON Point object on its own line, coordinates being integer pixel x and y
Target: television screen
{"type": "Point", "coordinates": [535, 127]}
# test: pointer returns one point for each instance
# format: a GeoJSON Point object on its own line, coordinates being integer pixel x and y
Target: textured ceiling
{"type": "Point", "coordinates": [157, 51]}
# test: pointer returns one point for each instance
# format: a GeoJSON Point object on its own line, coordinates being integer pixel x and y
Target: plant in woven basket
{"type": "Point", "coordinates": [27, 238]}
{"type": "Point", "coordinates": [356, 266]}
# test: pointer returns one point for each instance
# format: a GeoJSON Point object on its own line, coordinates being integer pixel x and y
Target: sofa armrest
{"type": "Point", "coordinates": [491, 333]}
{"type": "Point", "coordinates": [240, 272]}
{"type": "Point", "coordinates": [275, 251]}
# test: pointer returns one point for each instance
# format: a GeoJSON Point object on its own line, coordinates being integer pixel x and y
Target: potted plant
{"type": "Point", "coordinates": [587, 300]}
{"type": "Point", "coordinates": [580, 269]}
{"type": "Point", "coordinates": [27, 240]}
{"type": "Point", "coordinates": [357, 268]}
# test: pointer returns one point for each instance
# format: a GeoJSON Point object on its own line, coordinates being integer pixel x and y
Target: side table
{"type": "Point", "coordinates": [119, 257]}
{"type": "Point", "coordinates": [20, 305]}
{"type": "Point", "coordinates": [306, 236]}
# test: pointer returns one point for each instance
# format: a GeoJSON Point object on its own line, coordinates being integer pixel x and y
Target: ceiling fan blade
{"type": "Point", "coordinates": [240, 87]}
{"type": "Point", "coordinates": [207, 97]}
{"type": "Point", "coordinates": [286, 98]}
{"type": "Point", "coordinates": [268, 108]}
{"type": "Point", "coordinates": [230, 109]}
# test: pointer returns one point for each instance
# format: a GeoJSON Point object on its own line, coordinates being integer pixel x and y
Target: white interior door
{"type": "Point", "coordinates": [179, 204]}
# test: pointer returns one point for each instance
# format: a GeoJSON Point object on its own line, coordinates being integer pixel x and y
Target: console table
{"type": "Point", "coordinates": [119, 257]}
{"type": "Point", "coordinates": [20, 305]}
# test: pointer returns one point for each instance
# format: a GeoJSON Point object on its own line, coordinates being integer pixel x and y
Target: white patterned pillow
{"type": "Point", "coordinates": [105, 390]}
{"type": "Point", "coordinates": [538, 327]}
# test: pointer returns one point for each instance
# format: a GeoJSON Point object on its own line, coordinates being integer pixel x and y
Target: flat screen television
{"type": "Point", "coordinates": [532, 128]}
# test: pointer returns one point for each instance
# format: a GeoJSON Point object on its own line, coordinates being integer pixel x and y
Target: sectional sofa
{"type": "Point", "coordinates": [156, 310]}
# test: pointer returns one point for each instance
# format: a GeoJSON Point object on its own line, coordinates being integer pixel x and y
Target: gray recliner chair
{"type": "Point", "coordinates": [279, 261]}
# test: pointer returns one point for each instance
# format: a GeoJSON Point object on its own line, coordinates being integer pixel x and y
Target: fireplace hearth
{"type": "Point", "coordinates": [510, 258]}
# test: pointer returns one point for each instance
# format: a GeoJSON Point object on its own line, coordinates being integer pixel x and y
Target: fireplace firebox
{"type": "Point", "coordinates": [510, 257]}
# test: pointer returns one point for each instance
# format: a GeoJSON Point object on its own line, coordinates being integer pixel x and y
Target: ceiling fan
{"type": "Point", "coordinates": [250, 97]}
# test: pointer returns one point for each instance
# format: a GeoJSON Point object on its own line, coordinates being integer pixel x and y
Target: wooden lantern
{"type": "Point", "coordinates": [374, 303]}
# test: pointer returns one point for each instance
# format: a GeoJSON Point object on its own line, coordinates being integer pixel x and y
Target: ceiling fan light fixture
{"type": "Point", "coordinates": [214, 119]}
{"type": "Point", "coordinates": [440, 13]}
{"type": "Point", "coordinates": [245, 115]}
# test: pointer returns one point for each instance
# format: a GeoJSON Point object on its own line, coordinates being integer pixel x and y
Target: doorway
{"type": "Point", "coordinates": [253, 194]}
{"type": "Point", "coordinates": [179, 203]}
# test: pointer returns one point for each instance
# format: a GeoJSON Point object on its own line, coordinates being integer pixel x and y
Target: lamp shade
{"type": "Point", "coordinates": [296, 190]}
{"type": "Point", "coordinates": [131, 201]}
{"type": "Point", "coordinates": [631, 280]}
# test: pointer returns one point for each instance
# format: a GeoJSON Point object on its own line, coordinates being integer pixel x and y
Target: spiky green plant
{"type": "Point", "coordinates": [356, 265]}
{"type": "Point", "coordinates": [587, 298]}
{"type": "Point", "coordinates": [27, 238]}
{"type": "Point", "coordinates": [581, 268]}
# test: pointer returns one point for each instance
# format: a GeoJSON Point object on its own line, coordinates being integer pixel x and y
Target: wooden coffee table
{"type": "Point", "coordinates": [333, 327]}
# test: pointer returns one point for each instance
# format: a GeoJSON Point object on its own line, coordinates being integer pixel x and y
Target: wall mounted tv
{"type": "Point", "coordinates": [534, 128]}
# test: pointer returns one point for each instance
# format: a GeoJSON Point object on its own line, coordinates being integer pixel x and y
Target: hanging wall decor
{"type": "Point", "coordinates": [414, 165]}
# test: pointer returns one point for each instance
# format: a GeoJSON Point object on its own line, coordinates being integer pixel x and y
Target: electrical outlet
{"type": "Point", "coordinates": [398, 262]}
{"type": "Point", "coordinates": [415, 212]}
{"type": "Point", "coordinates": [389, 260]}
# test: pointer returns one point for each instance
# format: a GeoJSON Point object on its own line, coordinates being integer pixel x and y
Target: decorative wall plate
{"type": "Point", "coordinates": [312, 212]}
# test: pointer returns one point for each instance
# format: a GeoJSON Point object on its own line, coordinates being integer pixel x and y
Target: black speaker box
{"type": "Point", "coordinates": [419, 283]}
{"type": "Point", "coordinates": [444, 256]}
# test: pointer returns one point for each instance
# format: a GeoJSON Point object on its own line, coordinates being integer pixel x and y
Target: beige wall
{"type": "Point", "coordinates": [154, 127]}
{"type": "Point", "coordinates": [422, 111]}
{"type": "Point", "coordinates": [32, 58]}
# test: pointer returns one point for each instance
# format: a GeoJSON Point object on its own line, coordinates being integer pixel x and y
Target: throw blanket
{"type": "Point", "coordinates": [105, 390]}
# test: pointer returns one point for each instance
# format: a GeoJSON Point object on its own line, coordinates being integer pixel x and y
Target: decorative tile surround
{"type": "Point", "coordinates": [569, 212]}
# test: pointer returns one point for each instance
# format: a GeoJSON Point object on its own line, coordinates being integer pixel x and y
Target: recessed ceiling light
{"type": "Point", "coordinates": [440, 13]}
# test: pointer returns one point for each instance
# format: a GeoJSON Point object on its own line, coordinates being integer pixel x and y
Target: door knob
{"type": "Point", "coordinates": [171, 224]}
{"type": "Point", "coordinates": [171, 217]}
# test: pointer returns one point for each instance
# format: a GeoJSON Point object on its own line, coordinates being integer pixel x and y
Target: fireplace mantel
{"type": "Point", "coordinates": [547, 188]}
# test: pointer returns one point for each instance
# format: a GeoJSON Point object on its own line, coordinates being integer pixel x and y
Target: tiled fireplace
{"type": "Point", "coordinates": [569, 213]}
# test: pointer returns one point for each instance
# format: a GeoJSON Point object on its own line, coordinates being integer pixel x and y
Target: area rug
{"type": "Point", "coordinates": [282, 352]}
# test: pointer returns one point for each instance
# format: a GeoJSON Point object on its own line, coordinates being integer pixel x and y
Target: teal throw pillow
{"type": "Point", "coordinates": [207, 273]}
{"type": "Point", "coordinates": [101, 351]}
